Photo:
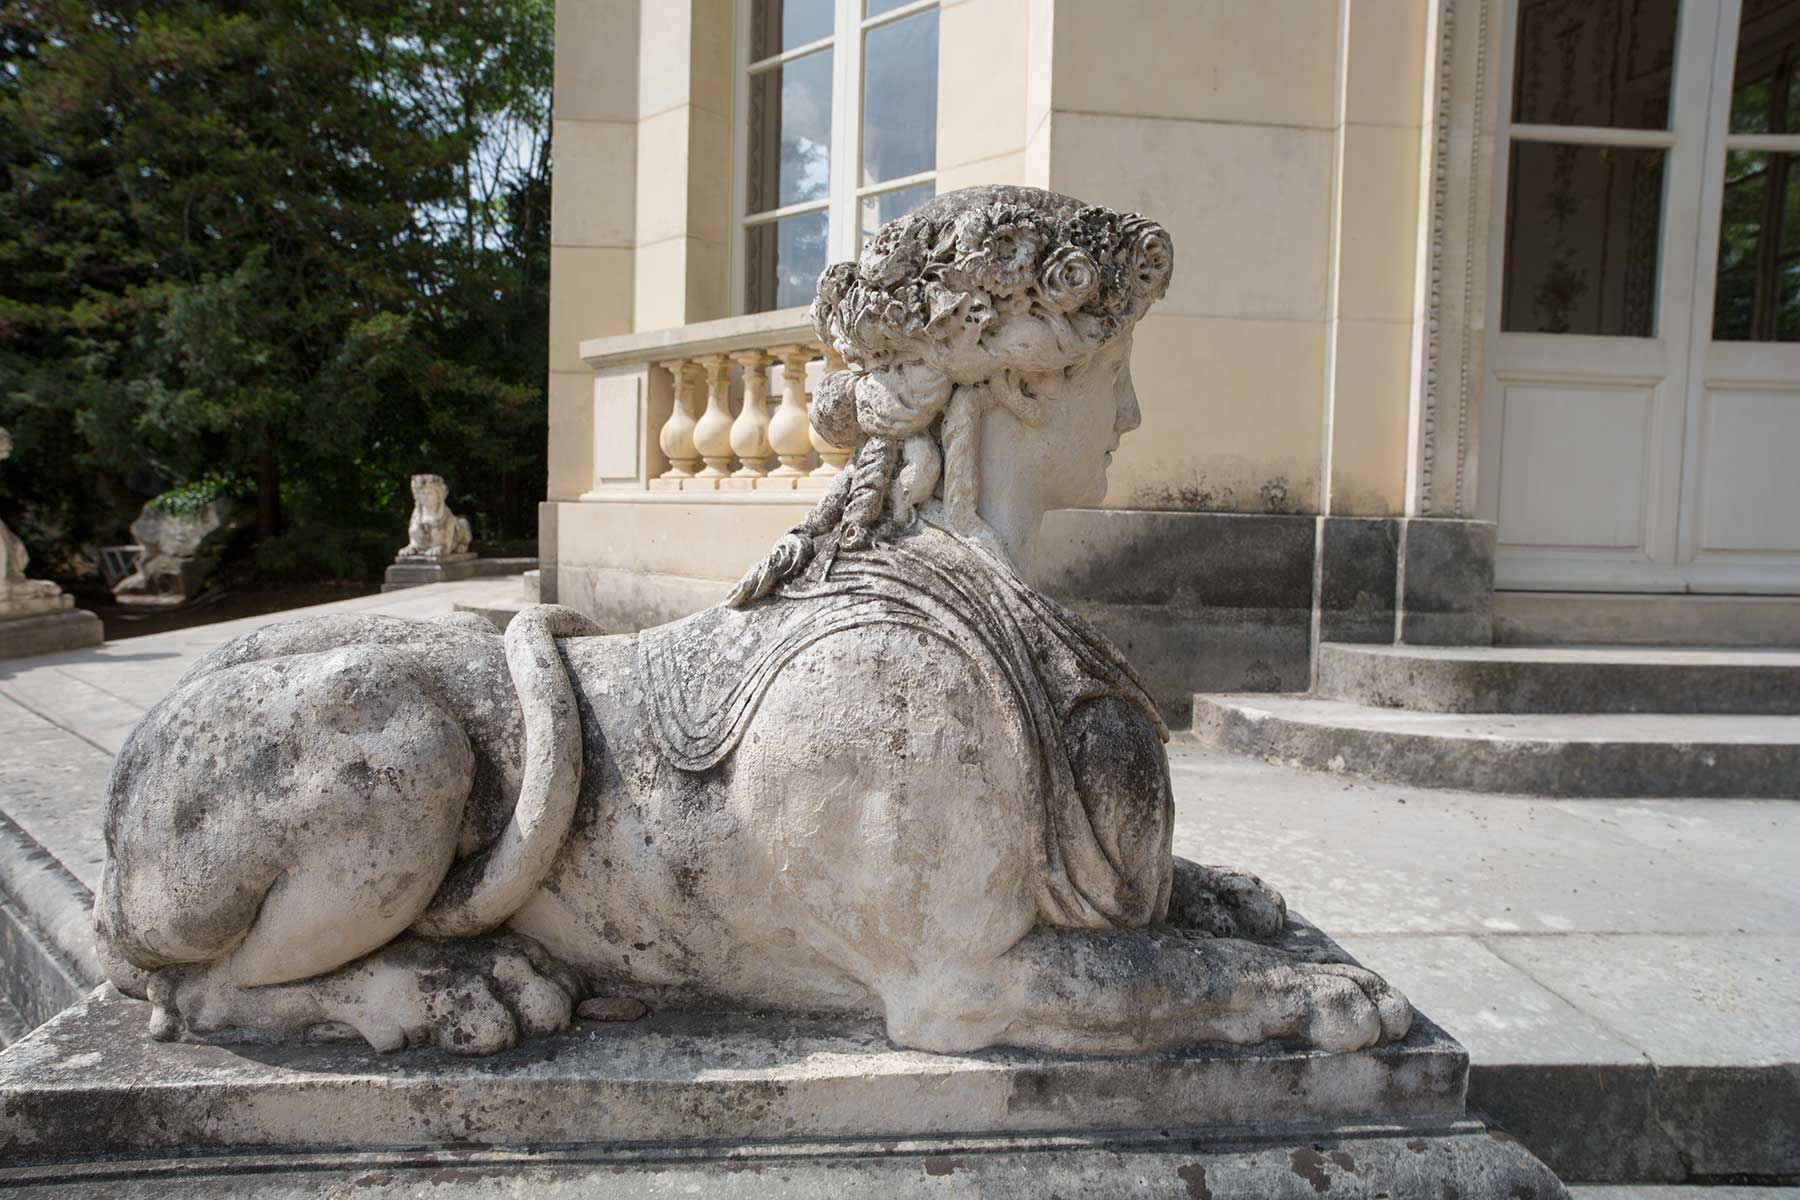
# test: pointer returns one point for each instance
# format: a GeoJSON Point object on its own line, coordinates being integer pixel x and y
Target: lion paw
{"type": "Point", "coordinates": [471, 997]}
{"type": "Point", "coordinates": [1221, 902]}
{"type": "Point", "coordinates": [1343, 1007]}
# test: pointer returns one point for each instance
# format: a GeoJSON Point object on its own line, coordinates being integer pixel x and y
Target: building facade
{"type": "Point", "coordinates": [1486, 313]}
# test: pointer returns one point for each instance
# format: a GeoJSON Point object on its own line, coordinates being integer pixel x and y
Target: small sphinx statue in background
{"type": "Point", "coordinates": [20, 596]}
{"type": "Point", "coordinates": [434, 533]}
{"type": "Point", "coordinates": [885, 777]}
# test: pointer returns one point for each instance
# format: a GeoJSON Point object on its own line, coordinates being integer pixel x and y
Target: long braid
{"type": "Point", "coordinates": [962, 470]}
{"type": "Point", "coordinates": [872, 472]}
{"type": "Point", "coordinates": [794, 550]}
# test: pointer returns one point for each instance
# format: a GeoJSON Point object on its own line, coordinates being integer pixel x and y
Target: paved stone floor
{"type": "Point", "coordinates": [1613, 943]}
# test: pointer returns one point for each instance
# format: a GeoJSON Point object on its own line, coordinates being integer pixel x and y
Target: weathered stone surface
{"type": "Point", "coordinates": [672, 1077]}
{"type": "Point", "coordinates": [1558, 679]}
{"type": "Point", "coordinates": [1446, 582]}
{"type": "Point", "coordinates": [1356, 1164]}
{"type": "Point", "coordinates": [419, 572]}
{"type": "Point", "coordinates": [1642, 754]}
{"type": "Point", "coordinates": [739, 1104]}
{"type": "Point", "coordinates": [63, 628]}
{"type": "Point", "coordinates": [181, 549]}
{"type": "Point", "coordinates": [1359, 570]}
{"type": "Point", "coordinates": [1197, 601]}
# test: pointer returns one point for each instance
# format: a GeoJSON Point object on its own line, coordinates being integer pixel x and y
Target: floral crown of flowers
{"type": "Point", "coordinates": [1006, 252]}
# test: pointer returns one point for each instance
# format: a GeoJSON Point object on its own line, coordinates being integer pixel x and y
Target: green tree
{"type": "Point", "coordinates": [299, 242]}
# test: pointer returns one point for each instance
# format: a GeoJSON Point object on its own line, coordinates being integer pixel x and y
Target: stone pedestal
{"type": "Point", "coordinates": [36, 618]}
{"type": "Point", "coordinates": [723, 1104]}
{"type": "Point", "coordinates": [410, 570]}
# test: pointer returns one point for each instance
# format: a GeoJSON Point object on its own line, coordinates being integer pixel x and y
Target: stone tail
{"type": "Point", "coordinates": [485, 889]}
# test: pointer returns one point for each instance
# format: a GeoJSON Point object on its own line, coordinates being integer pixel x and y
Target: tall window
{"type": "Point", "coordinates": [839, 103]}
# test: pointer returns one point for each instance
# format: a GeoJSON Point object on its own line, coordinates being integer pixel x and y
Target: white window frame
{"type": "Point", "coordinates": [843, 201]}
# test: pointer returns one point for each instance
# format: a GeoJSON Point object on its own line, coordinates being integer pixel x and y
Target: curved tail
{"type": "Point", "coordinates": [485, 889]}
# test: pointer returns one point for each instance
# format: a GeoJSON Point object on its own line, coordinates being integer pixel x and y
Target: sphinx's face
{"type": "Point", "coordinates": [1088, 410]}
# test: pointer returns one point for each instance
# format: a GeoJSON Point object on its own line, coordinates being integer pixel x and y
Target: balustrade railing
{"type": "Point", "coordinates": [717, 409]}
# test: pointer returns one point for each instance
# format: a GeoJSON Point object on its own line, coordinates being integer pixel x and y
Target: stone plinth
{"type": "Point", "coordinates": [45, 627]}
{"type": "Point", "coordinates": [411, 570]}
{"type": "Point", "coordinates": [738, 1105]}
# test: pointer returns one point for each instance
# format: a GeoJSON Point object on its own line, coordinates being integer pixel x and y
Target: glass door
{"type": "Point", "coordinates": [1740, 519]}
{"type": "Point", "coordinates": [1598, 165]}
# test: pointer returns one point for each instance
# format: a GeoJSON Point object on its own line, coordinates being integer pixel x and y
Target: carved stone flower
{"type": "Point", "coordinates": [893, 255]}
{"type": "Point", "coordinates": [1150, 253]}
{"type": "Point", "coordinates": [998, 247]}
{"type": "Point", "coordinates": [1069, 278]}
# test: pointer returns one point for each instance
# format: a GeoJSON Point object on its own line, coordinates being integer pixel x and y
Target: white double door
{"type": "Point", "coordinates": [1641, 412]}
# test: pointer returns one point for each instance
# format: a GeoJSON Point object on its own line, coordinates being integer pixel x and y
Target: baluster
{"type": "Point", "coordinates": [831, 459]}
{"type": "Point", "coordinates": [789, 434]}
{"type": "Point", "coordinates": [677, 436]}
{"type": "Point", "coordinates": [750, 432]}
{"type": "Point", "coordinates": [712, 433]}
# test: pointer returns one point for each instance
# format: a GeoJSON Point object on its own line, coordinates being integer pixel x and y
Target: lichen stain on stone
{"type": "Point", "coordinates": [1194, 1175]}
{"type": "Point", "coordinates": [1276, 494]}
{"type": "Point", "coordinates": [1309, 1164]}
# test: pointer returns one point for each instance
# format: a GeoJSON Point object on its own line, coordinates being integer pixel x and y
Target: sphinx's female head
{"type": "Point", "coordinates": [1007, 310]}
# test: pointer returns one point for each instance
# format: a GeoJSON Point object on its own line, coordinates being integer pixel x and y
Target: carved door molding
{"type": "Point", "coordinates": [1462, 123]}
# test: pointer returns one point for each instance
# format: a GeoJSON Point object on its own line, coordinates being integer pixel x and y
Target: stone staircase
{"type": "Point", "coordinates": [1567, 721]}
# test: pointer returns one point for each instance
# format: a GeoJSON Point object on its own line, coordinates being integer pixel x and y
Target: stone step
{"type": "Point", "coordinates": [1549, 754]}
{"type": "Point", "coordinates": [1641, 619]}
{"type": "Point", "coordinates": [1561, 679]}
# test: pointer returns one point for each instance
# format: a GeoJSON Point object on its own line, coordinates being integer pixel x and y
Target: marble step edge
{"type": "Point", "coordinates": [1534, 755]}
{"type": "Point", "coordinates": [1520, 679]}
{"type": "Point", "coordinates": [47, 958]}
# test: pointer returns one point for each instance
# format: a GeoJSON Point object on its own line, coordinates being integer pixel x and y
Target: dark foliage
{"type": "Point", "coordinates": [300, 244]}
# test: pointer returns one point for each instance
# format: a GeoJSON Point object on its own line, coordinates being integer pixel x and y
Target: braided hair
{"type": "Point", "coordinates": [951, 309]}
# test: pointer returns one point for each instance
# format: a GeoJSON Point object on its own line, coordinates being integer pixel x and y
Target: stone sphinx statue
{"type": "Point", "coordinates": [434, 532]}
{"type": "Point", "coordinates": [19, 595]}
{"type": "Point", "coordinates": [885, 777]}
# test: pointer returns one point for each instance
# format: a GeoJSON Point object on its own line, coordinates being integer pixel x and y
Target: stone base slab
{"type": "Point", "coordinates": [736, 1105]}
{"type": "Point", "coordinates": [416, 572]}
{"type": "Point", "coordinates": [46, 633]}
{"type": "Point", "coordinates": [1461, 1160]}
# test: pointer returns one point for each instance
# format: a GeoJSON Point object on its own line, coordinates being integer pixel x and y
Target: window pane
{"type": "Point", "coordinates": [783, 260]}
{"type": "Point", "coordinates": [1758, 296]}
{"type": "Point", "coordinates": [879, 210]}
{"type": "Point", "coordinates": [1765, 87]}
{"type": "Point", "coordinates": [777, 25]}
{"type": "Point", "coordinates": [899, 133]}
{"type": "Point", "coordinates": [1595, 62]}
{"type": "Point", "coordinates": [1583, 232]}
{"type": "Point", "coordinates": [876, 7]}
{"type": "Point", "coordinates": [789, 158]}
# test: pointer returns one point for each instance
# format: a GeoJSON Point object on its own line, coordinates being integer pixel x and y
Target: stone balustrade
{"type": "Point", "coordinates": [716, 409]}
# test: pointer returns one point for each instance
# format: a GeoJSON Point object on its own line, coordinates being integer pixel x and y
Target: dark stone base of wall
{"type": "Point", "coordinates": [1236, 602]}
{"type": "Point", "coordinates": [1199, 602]}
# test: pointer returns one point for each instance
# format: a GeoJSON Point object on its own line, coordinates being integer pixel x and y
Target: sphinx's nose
{"type": "Point", "coordinates": [1129, 417]}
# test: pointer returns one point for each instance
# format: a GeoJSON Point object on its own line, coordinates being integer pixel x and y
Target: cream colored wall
{"type": "Point", "coordinates": [684, 170]}
{"type": "Point", "coordinates": [1381, 151]}
{"type": "Point", "coordinates": [983, 65]}
{"type": "Point", "coordinates": [592, 216]}
{"type": "Point", "coordinates": [1279, 143]}
{"type": "Point", "coordinates": [1279, 140]}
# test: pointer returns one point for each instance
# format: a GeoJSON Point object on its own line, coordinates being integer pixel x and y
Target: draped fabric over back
{"type": "Point", "coordinates": [706, 675]}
